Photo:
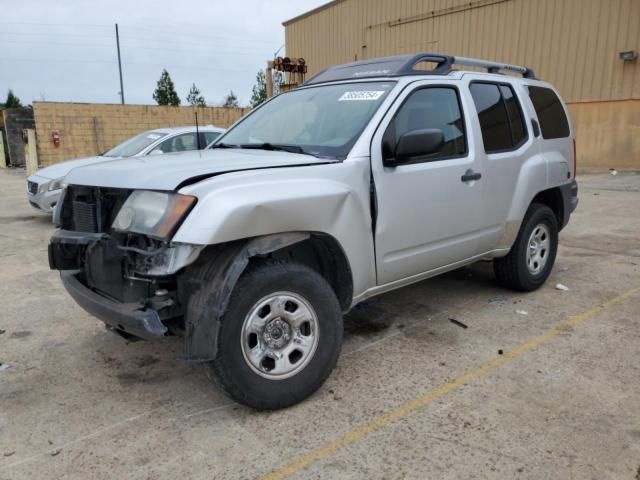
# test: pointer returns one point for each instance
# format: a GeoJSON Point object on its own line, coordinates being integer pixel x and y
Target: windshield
{"type": "Point", "coordinates": [322, 121]}
{"type": "Point", "coordinates": [135, 145]}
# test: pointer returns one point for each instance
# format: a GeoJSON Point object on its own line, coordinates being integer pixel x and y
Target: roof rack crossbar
{"type": "Point", "coordinates": [494, 67]}
{"type": "Point", "coordinates": [402, 65]}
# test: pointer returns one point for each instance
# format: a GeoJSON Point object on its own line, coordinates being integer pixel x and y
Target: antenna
{"type": "Point", "coordinates": [198, 132]}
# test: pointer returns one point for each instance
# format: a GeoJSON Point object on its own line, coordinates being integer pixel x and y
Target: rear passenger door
{"type": "Point", "coordinates": [505, 145]}
{"type": "Point", "coordinates": [428, 216]}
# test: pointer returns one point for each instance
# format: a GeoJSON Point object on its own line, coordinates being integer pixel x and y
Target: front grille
{"type": "Point", "coordinates": [85, 218]}
{"type": "Point", "coordinates": [32, 187]}
{"type": "Point", "coordinates": [89, 209]}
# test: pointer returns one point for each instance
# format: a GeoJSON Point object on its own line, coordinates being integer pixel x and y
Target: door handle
{"type": "Point", "coordinates": [470, 175]}
{"type": "Point", "coordinates": [536, 127]}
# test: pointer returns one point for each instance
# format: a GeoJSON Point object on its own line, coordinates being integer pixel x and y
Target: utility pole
{"type": "Point", "coordinates": [119, 65]}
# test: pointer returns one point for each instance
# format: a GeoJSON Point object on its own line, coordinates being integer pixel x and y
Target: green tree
{"type": "Point", "coordinates": [259, 93]}
{"type": "Point", "coordinates": [12, 101]}
{"type": "Point", "coordinates": [194, 98]}
{"type": "Point", "coordinates": [165, 93]}
{"type": "Point", "coordinates": [231, 100]}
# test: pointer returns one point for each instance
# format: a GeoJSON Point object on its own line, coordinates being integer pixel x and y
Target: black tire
{"type": "Point", "coordinates": [512, 271]}
{"type": "Point", "coordinates": [233, 373]}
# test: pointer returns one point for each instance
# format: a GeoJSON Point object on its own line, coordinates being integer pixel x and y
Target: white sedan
{"type": "Point", "coordinates": [44, 186]}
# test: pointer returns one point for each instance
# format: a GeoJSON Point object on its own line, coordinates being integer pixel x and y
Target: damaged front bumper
{"type": "Point", "coordinates": [130, 318]}
{"type": "Point", "coordinates": [131, 289]}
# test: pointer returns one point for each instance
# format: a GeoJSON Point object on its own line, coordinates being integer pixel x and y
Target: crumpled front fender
{"type": "Point", "coordinates": [219, 275]}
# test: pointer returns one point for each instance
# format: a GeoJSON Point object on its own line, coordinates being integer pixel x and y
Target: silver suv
{"type": "Point", "coordinates": [371, 176]}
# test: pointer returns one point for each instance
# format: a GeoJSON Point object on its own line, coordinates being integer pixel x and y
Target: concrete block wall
{"type": "Point", "coordinates": [87, 129]}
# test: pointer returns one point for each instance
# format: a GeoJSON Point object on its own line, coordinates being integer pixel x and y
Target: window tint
{"type": "Point", "coordinates": [551, 115]}
{"type": "Point", "coordinates": [516, 119]}
{"type": "Point", "coordinates": [434, 107]}
{"type": "Point", "coordinates": [500, 116]}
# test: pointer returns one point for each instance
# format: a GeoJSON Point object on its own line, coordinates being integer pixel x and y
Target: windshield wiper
{"type": "Point", "coordinates": [222, 145]}
{"type": "Point", "coordinates": [272, 146]}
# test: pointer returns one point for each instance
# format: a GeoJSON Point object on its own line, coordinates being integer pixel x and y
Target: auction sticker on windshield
{"type": "Point", "coordinates": [361, 95]}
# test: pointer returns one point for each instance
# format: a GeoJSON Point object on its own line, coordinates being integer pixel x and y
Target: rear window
{"type": "Point", "coordinates": [501, 120]}
{"type": "Point", "coordinates": [551, 115]}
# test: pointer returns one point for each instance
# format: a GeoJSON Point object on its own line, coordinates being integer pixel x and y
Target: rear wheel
{"type": "Point", "coordinates": [280, 337]}
{"type": "Point", "coordinates": [532, 255]}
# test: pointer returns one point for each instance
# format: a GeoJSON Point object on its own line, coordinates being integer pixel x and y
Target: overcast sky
{"type": "Point", "coordinates": [65, 50]}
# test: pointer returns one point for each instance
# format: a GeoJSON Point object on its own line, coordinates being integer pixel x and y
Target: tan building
{"type": "Point", "coordinates": [576, 45]}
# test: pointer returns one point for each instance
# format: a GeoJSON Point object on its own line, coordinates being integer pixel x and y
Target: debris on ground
{"type": "Point", "coordinates": [522, 312]}
{"type": "Point", "coordinates": [2, 331]}
{"type": "Point", "coordinates": [55, 452]}
{"type": "Point", "coordinates": [562, 287]}
{"type": "Point", "coordinates": [497, 301]}
{"type": "Point", "coordinates": [613, 171]}
{"type": "Point", "coordinates": [3, 366]}
{"type": "Point", "coordinates": [8, 454]}
{"type": "Point", "coordinates": [500, 352]}
{"type": "Point", "coordinates": [564, 269]}
{"type": "Point", "coordinates": [458, 323]}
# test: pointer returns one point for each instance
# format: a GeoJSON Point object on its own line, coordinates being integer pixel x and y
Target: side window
{"type": "Point", "coordinates": [210, 137]}
{"type": "Point", "coordinates": [179, 143]}
{"type": "Point", "coordinates": [500, 116]}
{"type": "Point", "coordinates": [551, 115]}
{"type": "Point", "coordinates": [516, 118]}
{"type": "Point", "coordinates": [431, 107]}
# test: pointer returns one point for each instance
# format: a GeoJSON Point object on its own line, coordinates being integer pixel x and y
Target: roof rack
{"type": "Point", "coordinates": [403, 65]}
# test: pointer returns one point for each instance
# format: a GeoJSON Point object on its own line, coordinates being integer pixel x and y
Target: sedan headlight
{"type": "Point", "coordinates": [155, 214]}
{"type": "Point", "coordinates": [56, 184]}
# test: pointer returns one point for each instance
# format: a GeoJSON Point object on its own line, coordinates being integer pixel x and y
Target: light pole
{"type": "Point", "coordinates": [119, 65]}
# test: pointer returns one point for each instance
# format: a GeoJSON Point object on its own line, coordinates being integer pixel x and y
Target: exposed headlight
{"type": "Point", "coordinates": [56, 184]}
{"type": "Point", "coordinates": [155, 214]}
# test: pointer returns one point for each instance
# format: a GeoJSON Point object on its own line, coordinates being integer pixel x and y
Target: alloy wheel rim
{"type": "Point", "coordinates": [279, 335]}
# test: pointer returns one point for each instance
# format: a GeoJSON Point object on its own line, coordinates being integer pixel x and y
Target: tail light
{"type": "Point", "coordinates": [574, 158]}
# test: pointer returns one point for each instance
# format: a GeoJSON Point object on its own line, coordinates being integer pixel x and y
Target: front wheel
{"type": "Point", "coordinates": [532, 255]}
{"type": "Point", "coordinates": [280, 337]}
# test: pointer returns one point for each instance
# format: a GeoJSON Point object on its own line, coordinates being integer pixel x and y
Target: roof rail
{"type": "Point", "coordinates": [402, 65]}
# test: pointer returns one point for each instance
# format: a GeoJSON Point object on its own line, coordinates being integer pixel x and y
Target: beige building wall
{"type": "Point", "coordinates": [87, 129]}
{"type": "Point", "coordinates": [574, 44]}
{"type": "Point", "coordinates": [607, 134]}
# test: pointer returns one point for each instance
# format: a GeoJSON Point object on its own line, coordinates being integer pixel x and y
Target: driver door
{"type": "Point", "coordinates": [428, 215]}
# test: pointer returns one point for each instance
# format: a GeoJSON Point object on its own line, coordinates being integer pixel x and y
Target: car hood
{"type": "Point", "coordinates": [171, 171]}
{"type": "Point", "coordinates": [61, 169]}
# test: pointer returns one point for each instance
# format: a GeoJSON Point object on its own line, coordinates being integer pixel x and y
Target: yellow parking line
{"type": "Point", "coordinates": [383, 420]}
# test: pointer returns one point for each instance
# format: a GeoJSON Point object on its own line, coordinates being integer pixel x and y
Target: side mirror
{"type": "Point", "coordinates": [415, 143]}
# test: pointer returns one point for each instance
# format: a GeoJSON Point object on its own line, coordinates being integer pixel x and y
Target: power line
{"type": "Point", "coordinates": [219, 68]}
{"type": "Point", "coordinates": [175, 47]}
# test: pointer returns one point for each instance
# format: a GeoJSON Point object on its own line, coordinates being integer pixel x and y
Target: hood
{"type": "Point", "coordinates": [61, 169]}
{"type": "Point", "coordinates": [173, 170]}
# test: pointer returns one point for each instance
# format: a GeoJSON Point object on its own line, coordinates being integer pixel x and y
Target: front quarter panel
{"type": "Point", "coordinates": [331, 199]}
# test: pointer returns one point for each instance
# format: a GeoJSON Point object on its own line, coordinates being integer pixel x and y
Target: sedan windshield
{"type": "Point", "coordinates": [323, 121]}
{"type": "Point", "coordinates": [135, 145]}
